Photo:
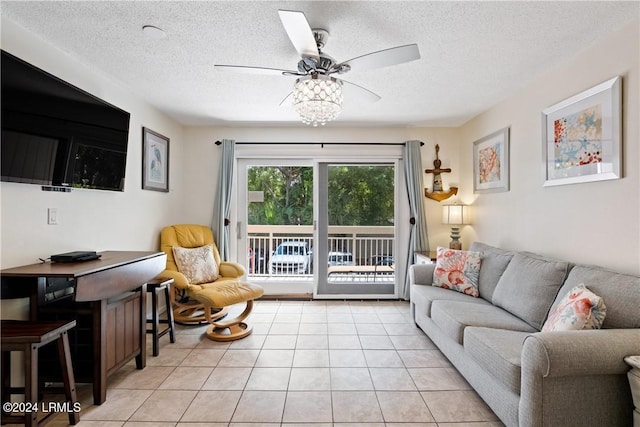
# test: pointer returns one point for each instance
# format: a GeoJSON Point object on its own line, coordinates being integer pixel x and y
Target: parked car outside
{"type": "Point", "coordinates": [382, 260]}
{"type": "Point", "coordinates": [291, 257]}
{"type": "Point", "coordinates": [340, 258]}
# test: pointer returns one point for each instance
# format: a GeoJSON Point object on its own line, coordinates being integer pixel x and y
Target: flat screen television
{"type": "Point", "coordinates": [57, 135]}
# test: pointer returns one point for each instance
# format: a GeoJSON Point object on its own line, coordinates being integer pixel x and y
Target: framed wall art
{"type": "Point", "coordinates": [581, 136]}
{"type": "Point", "coordinates": [491, 162]}
{"type": "Point", "coordinates": [155, 161]}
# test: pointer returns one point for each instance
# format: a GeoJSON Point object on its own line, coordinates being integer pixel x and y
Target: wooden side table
{"type": "Point", "coordinates": [634, 383]}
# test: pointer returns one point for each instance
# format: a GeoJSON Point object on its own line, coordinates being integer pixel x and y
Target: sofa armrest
{"type": "Point", "coordinates": [421, 274]}
{"type": "Point", "coordinates": [575, 353]}
{"type": "Point", "coordinates": [578, 371]}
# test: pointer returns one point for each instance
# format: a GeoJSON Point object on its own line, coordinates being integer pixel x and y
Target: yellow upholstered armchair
{"type": "Point", "coordinates": [186, 308]}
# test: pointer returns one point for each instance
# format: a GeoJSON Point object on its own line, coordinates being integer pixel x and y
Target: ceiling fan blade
{"type": "Point", "coordinates": [255, 70]}
{"type": "Point", "coordinates": [300, 33]}
{"type": "Point", "coordinates": [383, 58]}
{"type": "Point", "coordinates": [353, 91]}
{"type": "Point", "coordinates": [286, 102]}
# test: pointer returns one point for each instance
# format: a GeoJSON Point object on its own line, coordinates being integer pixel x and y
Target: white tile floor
{"type": "Point", "coordinates": [322, 362]}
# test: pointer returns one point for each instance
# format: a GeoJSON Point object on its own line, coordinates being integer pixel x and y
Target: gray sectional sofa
{"type": "Point", "coordinates": [528, 377]}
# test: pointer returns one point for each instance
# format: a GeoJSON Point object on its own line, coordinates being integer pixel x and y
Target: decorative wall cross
{"type": "Point", "coordinates": [438, 192]}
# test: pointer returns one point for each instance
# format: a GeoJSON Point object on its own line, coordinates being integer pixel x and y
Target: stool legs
{"type": "Point", "coordinates": [154, 288]}
{"type": "Point", "coordinates": [231, 329]}
{"type": "Point", "coordinates": [6, 379]}
{"type": "Point", "coordinates": [155, 321]}
{"type": "Point", "coordinates": [31, 383]}
{"type": "Point", "coordinates": [167, 299]}
{"type": "Point", "coordinates": [64, 353]}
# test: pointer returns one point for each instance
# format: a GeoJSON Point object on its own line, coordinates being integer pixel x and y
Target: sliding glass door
{"type": "Point", "coordinates": [356, 224]}
{"type": "Point", "coordinates": [321, 226]}
{"type": "Point", "coordinates": [276, 204]}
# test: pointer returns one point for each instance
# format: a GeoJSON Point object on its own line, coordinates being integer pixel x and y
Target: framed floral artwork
{"type": "Point", "coordinates": [491, 162]}
{"type": "Point", "coordinates": [155, 161]}
{"type": "Point", "coordinates": [581, 136]}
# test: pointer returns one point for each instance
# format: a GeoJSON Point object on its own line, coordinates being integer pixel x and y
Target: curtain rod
{"type": "Point", "coordinates": [322, 144]}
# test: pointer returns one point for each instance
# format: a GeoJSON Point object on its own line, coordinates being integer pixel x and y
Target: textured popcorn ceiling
{"type": "Point", "coordinates": [474, 54]}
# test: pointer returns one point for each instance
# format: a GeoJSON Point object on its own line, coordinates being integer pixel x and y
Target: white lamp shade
{"type": "Point", "coordinates": [456, 214]}
{"type": "Point", "coordinates": [317, 99]}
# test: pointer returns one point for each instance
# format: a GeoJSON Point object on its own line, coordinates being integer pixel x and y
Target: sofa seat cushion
{"type": "Point", "coordinates": [498, 351]}
{"type": "Point", "coordinates": [423, 296]}
{"type": "Point", "coordinates": [529, 286]}
{"type": "Point", "coordinates": [453, 317]}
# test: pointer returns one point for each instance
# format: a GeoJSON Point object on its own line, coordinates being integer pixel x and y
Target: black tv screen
{"type": "Point", "coordinates": [55, 134]}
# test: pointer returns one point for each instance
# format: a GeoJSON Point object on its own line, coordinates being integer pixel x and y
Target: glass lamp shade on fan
{"type": "Point", "coordinates": [317, 99]}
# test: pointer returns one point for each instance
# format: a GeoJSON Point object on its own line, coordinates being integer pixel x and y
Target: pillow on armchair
{"type": "Point", "coordinates": [197, 264]}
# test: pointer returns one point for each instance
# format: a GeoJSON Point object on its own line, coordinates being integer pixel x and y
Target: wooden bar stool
{"type": "Point", "coordinates": [155, 286]}
{"type": "Point", "coordinates": [28, 337]}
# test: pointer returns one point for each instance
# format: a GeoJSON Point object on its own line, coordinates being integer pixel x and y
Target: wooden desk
{"type": "Point", "coordinates": [107, 298]}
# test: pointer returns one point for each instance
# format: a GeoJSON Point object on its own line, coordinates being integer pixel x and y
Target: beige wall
{"type": "Point", "coordinates": [596, 223]}
{"type": "Point", "coordinates": [88, 219]}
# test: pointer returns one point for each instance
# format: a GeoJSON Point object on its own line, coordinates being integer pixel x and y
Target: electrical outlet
{"type": "Point", "coordinates": [52, 216]}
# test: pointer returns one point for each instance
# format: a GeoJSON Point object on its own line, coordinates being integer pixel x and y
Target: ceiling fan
{"type": "Point", "coordinates": [317, 93]}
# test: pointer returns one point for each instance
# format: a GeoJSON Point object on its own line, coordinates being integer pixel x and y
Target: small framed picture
{"type": "Point", "coordinates": [491, 162]}
{"type": "Point", "coordinates": [581, 136]}
{"type": "Point", "coordinates": [155, 161]}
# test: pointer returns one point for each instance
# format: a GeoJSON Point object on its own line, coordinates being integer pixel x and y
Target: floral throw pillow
{"type": "Point", "coordinates": [197, 264]}
{"type": "Point", "coordinates": [579, 309]}
{"type": "Point", "coordinates": [457, 270]}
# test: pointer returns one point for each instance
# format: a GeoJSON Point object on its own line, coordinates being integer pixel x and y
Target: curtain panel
{"type": "Point", "coordinates": [418, 239]}
{"type": "Point", "coordinates": [222, 201]}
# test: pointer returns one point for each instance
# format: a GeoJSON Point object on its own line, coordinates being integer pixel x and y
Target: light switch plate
{"type": "Point", "coordinates": [52, 216]}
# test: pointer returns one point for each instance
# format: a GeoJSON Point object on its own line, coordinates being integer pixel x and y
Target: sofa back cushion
{"type": "Point", "coordinates": [493, 263]}
{"type": "Point", "coordinates": [529, 285]}
{"type": "Point", "coordinates": [620, 292]}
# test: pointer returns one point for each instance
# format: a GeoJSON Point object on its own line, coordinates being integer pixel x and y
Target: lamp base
{"type": "Point", "coordinates": [455, 239]}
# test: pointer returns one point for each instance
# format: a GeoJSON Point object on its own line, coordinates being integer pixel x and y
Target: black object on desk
{"type": "Point", "coordinates": [76, 256]}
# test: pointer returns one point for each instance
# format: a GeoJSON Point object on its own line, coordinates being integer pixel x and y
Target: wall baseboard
{"type": "Point", "coordinates": [291, 297]}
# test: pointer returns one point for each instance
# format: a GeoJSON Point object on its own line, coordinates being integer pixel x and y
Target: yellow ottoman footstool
{"type": "Point", "coordinates": [223, 295]}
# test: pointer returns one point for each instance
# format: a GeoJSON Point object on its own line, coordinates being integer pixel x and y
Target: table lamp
{"type": "Point", "coordinates": [456, 215]}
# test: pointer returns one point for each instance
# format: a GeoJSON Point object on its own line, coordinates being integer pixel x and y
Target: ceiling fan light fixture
{"type": "Point", "coordinates": [317, 99]}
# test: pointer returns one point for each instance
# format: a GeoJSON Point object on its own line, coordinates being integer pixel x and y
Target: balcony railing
{"type": "Point", "coordinates": [354, 251]}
